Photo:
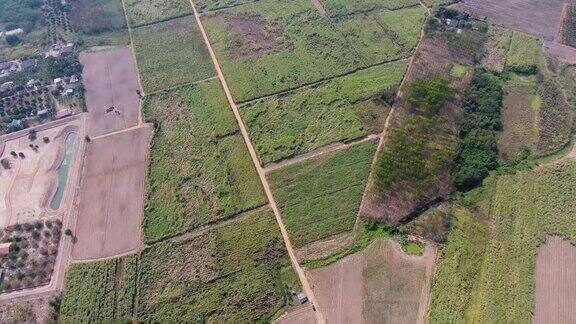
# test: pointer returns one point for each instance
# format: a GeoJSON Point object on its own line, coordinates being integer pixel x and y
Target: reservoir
{"type": "Point", "coordinates": [63, 170]}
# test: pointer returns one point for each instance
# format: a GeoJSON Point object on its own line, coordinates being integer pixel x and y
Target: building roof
{"type": "Point", "coordinates": [5, 248]}
{"type": "Point", "coordinates": [26, 64]}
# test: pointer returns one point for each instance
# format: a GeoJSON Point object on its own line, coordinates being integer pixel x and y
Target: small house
{"type": "Point", "coordinates": [302, 298]}
{"type": "Point", "coordinates": [67, 92]}
{"type": "Point", "coordinates": [42, 113]}
{"type": "Point", "coordinates": [28, 64]}
{"type": "Point", "coordinates": [68, 48]}
{"type": "Point", "coordinates": [16, 31]}
{"type": "Point", "coordinates": [63, 113]}
{"type": "Point", "coordinates": [6, 86]}
{"type": "Point", "coordinates": [58, 81]}
{"type": "Point", "coordinates": [16, 123]}
{"type": "Point", "coordinates": [73, 79]}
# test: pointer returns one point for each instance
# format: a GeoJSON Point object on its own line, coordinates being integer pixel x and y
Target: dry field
{"type": "Point", "coordinates": [555, 282]}
{"type": "Point", "coordinates": [111, 82]}
{"type": "Point", "coordinates": [27, 187]}
{"type": "Point", "coordinates": [112, 194]}
{"type": "Point", "coordinates": [35, 310]}
{"type": "Point", "coordinates": [379, 285]}
{"type": "Point", "coordinates": [541, 18]}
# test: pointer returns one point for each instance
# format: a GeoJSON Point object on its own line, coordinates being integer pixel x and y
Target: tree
{"type": "Point", "coordinates": [13, 40]}
{"type": "Point", "coordinates": [46, 139]}
{"type": "Point", "coordinates": [87, 138]}
{"type": "Point", "coordinates": [5, 163]}
{"type": "Point", "coordinates": [32, 135]}
{"type": "Point", "coordinates": [68, 232]}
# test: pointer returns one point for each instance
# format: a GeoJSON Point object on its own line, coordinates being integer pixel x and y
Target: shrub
{"type": "Point", "coordinates": [428, 96]}
{"type": "Point", "coordinates": [13, 40]}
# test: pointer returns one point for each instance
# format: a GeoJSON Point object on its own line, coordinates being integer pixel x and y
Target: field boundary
{"type": "Point", "coordinates": [300, 272]}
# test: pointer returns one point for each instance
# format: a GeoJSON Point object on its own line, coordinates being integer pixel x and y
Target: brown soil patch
{"type": "Point", "coordinates": [555, 294]}
{"type": "Point", "coordinates": [35, 310]}
{"type": "Point", "coordinates": [379, 285]}
{"type": "Point", "coordinates": [253, 36]}
{"type": "Point", "coordinates": [541, 18]}
{"type": "Point", "coordinates": [301, 315]}
{"type": "Point", "coordinates": [112, 199]}
{"type": "Point", "coordinates": [564, 53]}
{"type": "Point", "coordinates": [111, 83]}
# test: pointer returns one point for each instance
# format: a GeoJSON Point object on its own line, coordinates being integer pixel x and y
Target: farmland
{"type": "Point", "coordinates": [497, 45]}
{"type": "Point", "coordinates": [406, 24]}
{"type": "Point", "coordinates": [283, 126]}
{"type": "Point", "coordinates": [171, 53]}
{"type": "Point", "coordinates": [223, 276]}
{"type": "Point", "coordinates": [307, 193]}
{"type": "Point", "coordinates": [145, 12]}
{"type": "Point", "coordinates": [525, 53]}
{"type": "Point", "coordinates": [97, 16]}
{"type": "Point", "coordinates": [268, 46]}
{"type": "Point", "coordinates": [555, 118]}
{"type": "Point", "coordinates": [200, 171]}
{"type": "Point", "coordinates": [346, 7]}
{"type": "Point", "coordinates": [206, 5]}
{"type": "Point", "coordinates": [100, 291]}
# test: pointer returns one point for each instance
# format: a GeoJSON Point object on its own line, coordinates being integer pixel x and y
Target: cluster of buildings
{"type": "Point", "coordinates": [58, 49]}
{"type": "Point", "coordinates": [17, 66]}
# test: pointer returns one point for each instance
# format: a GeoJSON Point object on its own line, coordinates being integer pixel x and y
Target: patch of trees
{"type": "Point", "coordinates": [428, 96]}
{"type": "Point", "coordinates": [569, 36]}
{"type": "Point", "coordinates": [65, 65]}
{"type": "Point", "coordinates": [23, 14]}
{"type": "Point", "coordinates": [479, 134]}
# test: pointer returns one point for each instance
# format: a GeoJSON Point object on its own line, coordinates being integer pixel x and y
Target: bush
{"type": "Point", "coordinates": [13, 40]}
{"type": "Point", "coordinates": [428, 96]}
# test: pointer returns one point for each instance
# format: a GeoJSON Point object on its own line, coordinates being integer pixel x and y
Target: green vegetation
{"type": "Point", "coordinates": [428, 96]}
{"type": "Point", "coordinates": [433, 225]}
{"type": "Point", "coordinates": [145, 12]}
{"type": "Point", "coordinates": [569, 28]}
{"type": "Point", "coordinates": [458, 71]}
{"type": "Point", "coordinates": [479, 134]}
{"type": "Point", "coordinates": [98, 292]}
{"type": "Point", "coordinates": [200, 170]}
{"type": "Point", "coordinates": [290, 44]}
{"type": "Point", "coordinates": [458, 269]}
{"type": "Point", "coordinates": [347, 7]}
{"type": "Point", "coordinates": [525, 54]}
{"type": "Point", "coordinates": [171, 53]}
{"type": "Point", "coordinates": [233, 274]}
{"type": "Point", "coordinates": [405, 24]}
{"type": "Point", "coordinates": [413, 247]}
{"type": "Point", "coordinates": [555, 117]}
{"type": "Point", "coordinates": [496, 47]}
{"type": "Point", "coordinates": [283, 126]}
{"type": "Point", "coordinates": [25, 14]}
{"type": "Point", "coordinates": [320, 197]}
{"type": "Point", "coordinates": [97, 16]}
{"type": "Point", "coordinates": [206, 5]}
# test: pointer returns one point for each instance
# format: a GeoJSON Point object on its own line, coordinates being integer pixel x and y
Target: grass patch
{"type": "Point", "coordinates": [413, 248]}
{"type": "Point", "coordinates": [97, 16]}
{"type": "Point", "coordinates": [347, 7]}
{"type": "Point", "coordinates": [99, 292]}
{"type": "Point", "coordinates": [268, 46]}
{"type": "Point", "coordinates": [458, 269]}
{"type": "Point", "coordinates": [200, 170]}
{"type": "Point", "coordinates": [320, 197]}
{"type": "Point", "coordinates": [283, 126]}
{"type": "Point", "coordinates": [458, 71]}
{"type": "Point", "coordinates": [224, 276]}
{"type": "Point", "coordinates": [171, 53]}
{"type": "Point", "coordinates": [145, 12]}
{"type": "Point", "coordinates": [496, 47]}
{"type": "Point", "coordinates": [405, 24]}
{"type": "Point", "coordinates": [207, 5]}
{"type": "Point", "coordinates": [555, 117]}
{"type": "Point", "coordinates": [525, 54]}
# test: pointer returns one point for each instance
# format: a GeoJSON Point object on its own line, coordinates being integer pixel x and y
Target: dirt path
{"type": "Point", "coordinates": [430, 254]}
{"type": "Point", "coordinates": [320, 7]}
{"type": "Point", "coordinates": [320, 151]}
{"type": "Point", "coordinates": [259, 169]}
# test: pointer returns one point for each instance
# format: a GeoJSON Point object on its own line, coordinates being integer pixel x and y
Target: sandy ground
{"type": "Point", "coordinates": [555, 294]}
{"type": "Point", "coordinates": [110, 80]}
{"type": "Point", "coordinates": [564, 53]}
{"type": "Point", "coordinates": [112, 199]}
{"type": "Point", "coordinates": [27, 188]}
{"type": "Point", "coordinates": [300, 315]}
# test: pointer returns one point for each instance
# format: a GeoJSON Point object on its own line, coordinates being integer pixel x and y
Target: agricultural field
{"type": "Point", "coordinates": [405, 24]}
{"type": "Point", "coordinates": [556, 117]}
{"type": "Point", "coordinates": [267, 47]}
{"type": "Point", "coordinates": [569, 26]}
{"type": "Point", "coordinates": [145, 12]}
{"type": "Point", "coordinates": [100, 292]}
{"type": "Point", "coordinates": [223, 276]}
{"type": "Point", "coordinates": [497, 45]}
{"type": "Point", "coordinates": [99, 19]}
{"type": "Point", "coordinates": [525, 54]}
{"type": "Point", "coordinates": [341, 109]}
{"type": "Point", "coordinates": [170, 54]}
{"type": "Point", "coordinates": [520, 119]}
{"type": "Point", "coordinates": [320, 197]}
{"type": "Point", "coordinates": [347, 7]}
{"type": "Point", "coordinates": [200, 171]}
{"type": "Point", "coordinates": [208, 5]}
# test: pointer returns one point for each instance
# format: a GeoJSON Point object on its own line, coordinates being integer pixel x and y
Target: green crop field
{"type": "Point", "coordinates": [405, 24]}
{"type": "Point", "coordinates": [171, 53]}
{"type": "Point", "coordinates": [290, 44]}
{"type": "Point", "coordinates": [97, 16]}
{"type": "Point", "coordinates": [525, 53]}
{"type": "Point", "coordinates": [144, 12]}
{"type": "Point", "coordinates": [524, 209]}
{"type": "Point", "coordinates": [283, 126]}
{"type": "Point", "coordinates": [238, 273]}
{"type": "Point", "coordinates": [200, 170]}
{"type": "Point", "coordinates": [347, 7]}
{"type": "Point", "coordinates": [206, 5]}
{"type": "Point", "coordinates": [100, 291]}
{"type": "Point", "coordinates": [320, 197]}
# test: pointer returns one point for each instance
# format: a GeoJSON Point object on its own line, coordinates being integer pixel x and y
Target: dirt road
{"type": "Point", "coordinates": [259, 169]}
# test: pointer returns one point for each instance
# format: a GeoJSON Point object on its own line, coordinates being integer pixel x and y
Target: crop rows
{"type": "Point", "coordinates": [145, 12]}
{"type": "Point", "coordinates": [200, 170]}
{"type": "Point", "coordinates": [320, 197]}
{"type": "Point", "coordinates": [347, 7]}
{"type": "Point", "coordinates": [525, 53]}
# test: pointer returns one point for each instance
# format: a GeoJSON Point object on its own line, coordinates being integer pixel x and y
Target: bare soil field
{"type": "Point", "coordinates": [564, 53]}
{"type": "Point", "coordinates": [379, 285]}
{"type": "Point", "coordinates": [35, 310]}
{"type": "Point", "coordinates": [555, 294]}
{"type": "Point", "coordinates": [31, 180]}
{"type": "Point", "coordinates": [112, 194]}
{"type": "Point", "coordinates": [541, 18]}
{"type": "Point", "coordinates": [300, 315]}
{"type": "Point", "coordinates": [111, 83]}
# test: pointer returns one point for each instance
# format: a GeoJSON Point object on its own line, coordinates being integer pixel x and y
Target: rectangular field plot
{"type": "Point", "coordinates": [101, 22]}
{"type": "Point", "coordinates": [525, 54]}
{"type": "Point", "coordinates": [320, 197]}
{"type": "Point", "coordinates": [347, 7]}
{"type": "Point", "coordinates": [171, 53]}
{"type": "Point", "coordinates": [144, 12]}
{"type": "Point", "coordinates": [268, 46]}
{"type": "Point", "coordinates": [200, 169]}
{"type": "Point", "coordinates": [405, 25]}
{"type": "Point", "coordinates": [238, 273]}
{"type": "Point", "coordinates": [283, 126]}
{"type": "Point", "coordinates": [100, 292]}
{"type": "Point", "coordinates": [207, 5]}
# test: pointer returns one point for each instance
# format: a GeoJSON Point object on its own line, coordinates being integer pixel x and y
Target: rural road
{"type": "Point", "coordinates": [261, 173]}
